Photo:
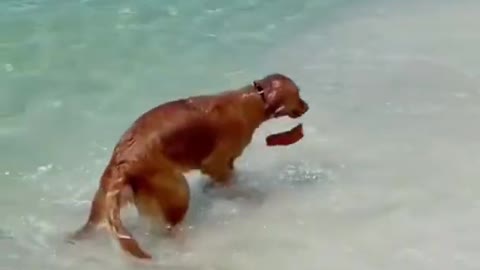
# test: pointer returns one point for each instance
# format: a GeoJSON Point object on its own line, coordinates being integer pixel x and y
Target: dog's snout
{"type": "Point", "coordinates": [305, 106]}
{"type": "Point", "coordinates": [301, 108]}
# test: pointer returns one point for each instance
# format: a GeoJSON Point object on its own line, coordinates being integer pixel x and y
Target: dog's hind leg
{"type": "Point", "coordinates": [163, 200]}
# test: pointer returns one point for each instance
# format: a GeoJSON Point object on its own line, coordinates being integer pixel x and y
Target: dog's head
{"type": "Point", "coordinates": [281, 96]}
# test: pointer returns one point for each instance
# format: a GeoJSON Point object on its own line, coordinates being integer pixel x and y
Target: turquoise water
{"type": "Point", "coordinates": [386, 177]}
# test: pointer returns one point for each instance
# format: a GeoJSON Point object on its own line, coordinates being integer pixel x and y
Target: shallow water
{"type": "Point", "coordinates": [386, 177]}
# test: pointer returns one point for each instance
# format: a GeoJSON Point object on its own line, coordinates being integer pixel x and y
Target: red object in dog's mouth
{"type": "Point", "coordinates": [287, 137]}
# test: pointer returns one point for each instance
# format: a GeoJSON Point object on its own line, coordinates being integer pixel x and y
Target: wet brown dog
{"type": "Point", "coordinates": [205, 133]}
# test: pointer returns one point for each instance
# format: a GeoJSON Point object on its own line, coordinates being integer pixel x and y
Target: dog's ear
{"type": "Point", "coordinates": [272, 97]}
{"type": "Point", "coordinates": [266, 84]}
{"type": "Point", "coordinates": [274, 105]}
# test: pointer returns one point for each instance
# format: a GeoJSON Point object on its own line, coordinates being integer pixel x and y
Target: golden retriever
{"type": "Point", "coordinates": [206, 133]}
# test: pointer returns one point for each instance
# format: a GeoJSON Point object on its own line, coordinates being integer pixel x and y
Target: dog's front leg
{"type": "Point", "coordinates": [220, 172]}
{"type": "Point", "coordinates": [219, 167]}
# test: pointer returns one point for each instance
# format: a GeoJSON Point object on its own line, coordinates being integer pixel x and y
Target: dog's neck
{"type": "Point", "coordinates": [261, 92]}
{"type": "Point", "coordinates": [253, 105]}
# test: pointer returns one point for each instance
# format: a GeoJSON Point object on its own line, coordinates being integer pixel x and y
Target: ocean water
{"type": "Point", "coordinates": [387, 176]}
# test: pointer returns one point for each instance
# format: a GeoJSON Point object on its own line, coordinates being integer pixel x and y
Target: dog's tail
{"type": "Point", "coordinates": [105, 212]}
{"type": "Point", "coordinates": [114, 222]}
{"type": "Point", "coordinates": [95, 218]}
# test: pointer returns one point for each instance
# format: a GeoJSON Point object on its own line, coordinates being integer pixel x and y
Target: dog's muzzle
{"type": "Point", "coordinates": [300, 111]}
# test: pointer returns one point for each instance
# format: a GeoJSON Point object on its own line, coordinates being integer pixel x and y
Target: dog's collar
{"type": "Point", "coordinates": [260, 91]}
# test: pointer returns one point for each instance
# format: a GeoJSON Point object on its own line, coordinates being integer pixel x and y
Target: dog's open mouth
{"type": "Point", "coordinates": [287, 137]}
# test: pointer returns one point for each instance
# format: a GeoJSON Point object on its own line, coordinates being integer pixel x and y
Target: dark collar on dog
{"type": "Point", "coordinates": [260, 91]}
